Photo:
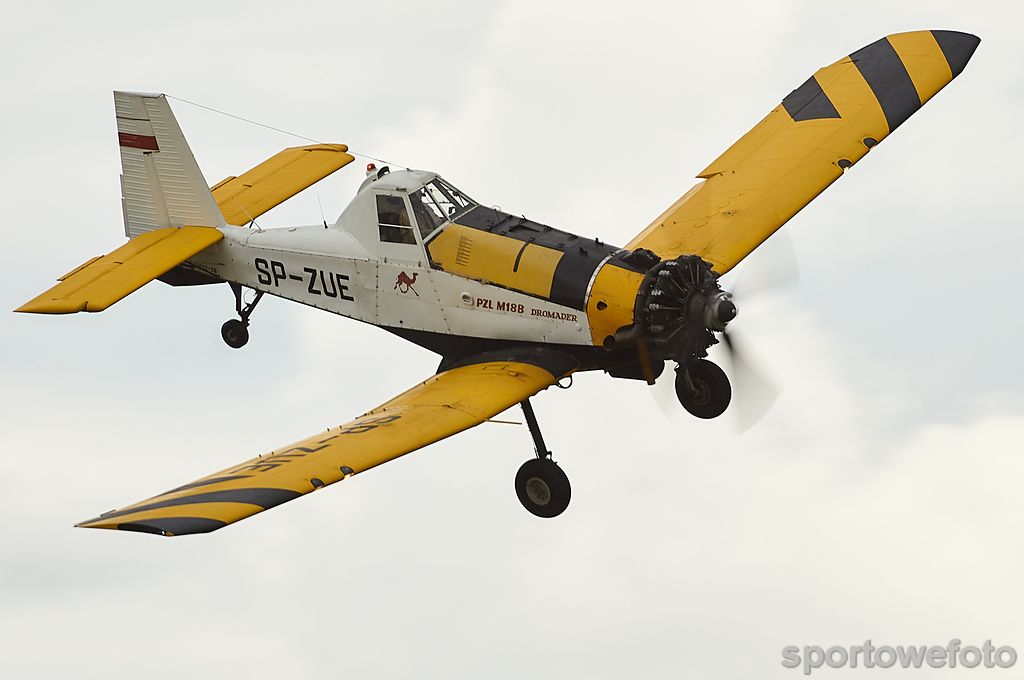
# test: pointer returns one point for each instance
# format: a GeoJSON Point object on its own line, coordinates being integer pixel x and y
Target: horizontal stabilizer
{"type": "Point", "coordinates": [102, 281]}
{"type": "Point", "coordinates": [275, 180]}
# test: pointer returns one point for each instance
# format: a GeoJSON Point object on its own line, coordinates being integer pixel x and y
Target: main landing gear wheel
{"type": "Point", "coordinates": [703, 388]}
{"type": "Point", "coordinates": [235, 333]}
{"type": "Point", "coordinates": [542, 487]}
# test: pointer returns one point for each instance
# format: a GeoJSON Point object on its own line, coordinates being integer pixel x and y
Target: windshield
{"type": "Point", "coordinates": [428, 215]}
{"type": "Point", "coordinates": [449, 201]}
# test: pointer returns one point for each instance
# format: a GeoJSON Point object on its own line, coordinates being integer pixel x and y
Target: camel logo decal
{"type": "Point", "coordinates": [403, 284]}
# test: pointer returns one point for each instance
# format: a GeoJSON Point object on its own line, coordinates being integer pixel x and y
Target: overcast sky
{"type": "Point", "coordinates": [879, 499]}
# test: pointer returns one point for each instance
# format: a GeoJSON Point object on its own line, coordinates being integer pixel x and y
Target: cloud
{"type": "Point", "coordinates": [682, 538]}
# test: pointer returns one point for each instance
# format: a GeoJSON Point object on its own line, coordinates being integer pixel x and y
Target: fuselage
{"type": "Point", "coordinates": [414, 256]}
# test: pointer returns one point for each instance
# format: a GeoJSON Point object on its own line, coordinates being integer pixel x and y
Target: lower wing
{"type": "Point", "coordinates": [462, 396]}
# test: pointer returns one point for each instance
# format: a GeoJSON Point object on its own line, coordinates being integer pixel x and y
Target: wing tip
{"type": "Point", "coordinates": [957, 46]}
{"type": "Point", "coordinates": [53, 306]}
{"type": "Point", "coordinates": [325, 146]}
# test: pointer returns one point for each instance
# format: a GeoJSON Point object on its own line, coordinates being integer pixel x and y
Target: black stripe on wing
{"type": "Point", "coordinates": [174, 526]}
{"type": "Point", "coordinates": [957, 47]}
{"type": "Point", "coordinates": [809, 102]}
{"type": "Point", "coordinates": [889, 81]}
{"type": "Point", "coordinates": [264, 498]}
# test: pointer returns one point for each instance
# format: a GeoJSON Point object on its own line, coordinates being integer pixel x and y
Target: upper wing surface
{"type": "Point", "coordinates": [444, 404]}
{"type": "Point", "coordinates": [244, 198]}
{"type": "Point", "coordinates": [820, 129]}
{"type": "Point", "coordinates": [102, 281]}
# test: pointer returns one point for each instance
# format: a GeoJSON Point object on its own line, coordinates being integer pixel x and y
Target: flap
{"type": "Point", "coordinates": [454, 400]}
{"type": "Point", "coordinates": [275, 180]}
{"type": "Point", "coordinates": [102, 281]}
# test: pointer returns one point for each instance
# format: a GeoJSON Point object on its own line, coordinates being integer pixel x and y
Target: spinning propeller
{"type": "Point", "coordinates": [753, 393]}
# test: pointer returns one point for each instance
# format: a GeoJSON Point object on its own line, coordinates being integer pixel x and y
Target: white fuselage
{"type": "Point", "coordinates": [328, 268]}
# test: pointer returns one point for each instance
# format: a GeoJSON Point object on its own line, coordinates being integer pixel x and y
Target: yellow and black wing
{"type": "Point", "coordinates": [456, 399]}
{"type": "Point", "coordinates": [822, 128]}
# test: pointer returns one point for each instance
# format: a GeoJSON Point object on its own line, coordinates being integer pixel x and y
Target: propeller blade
{"type": "Point", "coordinates": [664, 394]}
{"type": "Point", "coordinates": [753, 393]}
{"type": "Point", "coordinates": [775, 267]}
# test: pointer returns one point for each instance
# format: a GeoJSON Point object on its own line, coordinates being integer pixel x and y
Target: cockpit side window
{"type": "Point", "coordinates": [393, 220]}
{"type": "Point", "coordinates": [428, 216]}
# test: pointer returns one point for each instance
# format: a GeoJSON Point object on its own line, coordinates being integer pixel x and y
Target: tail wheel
{"type": "Point", "coordinates": [542, 487]}
{"type": "Point", "coordinates": [703, 388]}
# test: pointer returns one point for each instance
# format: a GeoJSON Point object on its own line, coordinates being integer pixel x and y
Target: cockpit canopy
{"type": "Point", "coordinates": [402, 203]}
{"type": "Point", "coordinates": [438, 202]}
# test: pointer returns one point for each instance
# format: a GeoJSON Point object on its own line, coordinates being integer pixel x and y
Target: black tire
{"type": "Point", "coordinates": [711, 392]}
{"type": "Point", "coordinates": [542, 487]}
{"type": "Point", "coordinates": [235, 333]}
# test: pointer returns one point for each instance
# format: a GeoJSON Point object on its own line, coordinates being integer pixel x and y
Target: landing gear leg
{"type": "Point", "coordinates": [236, 331]}
{"type": "Point", "coordinates": [541, 486]}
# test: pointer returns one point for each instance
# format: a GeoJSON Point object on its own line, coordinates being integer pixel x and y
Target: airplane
{"type": "Point", "coordinates": [510, 305]}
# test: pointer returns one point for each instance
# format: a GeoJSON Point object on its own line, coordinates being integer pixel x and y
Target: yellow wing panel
{"type": "Point", "coordinates": [449, 402]}
{"type": "Point", "coordinates": [102, 281]}
{"type": "Point", "coordinates": [277, 179]}
{"type": "Point", "coordinates": [822, 128]}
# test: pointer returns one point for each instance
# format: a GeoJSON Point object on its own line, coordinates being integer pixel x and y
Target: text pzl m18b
{"type": "Point", "coordinates": [511, 306]}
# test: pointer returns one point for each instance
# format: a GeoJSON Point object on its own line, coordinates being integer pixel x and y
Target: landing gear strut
{"type": "Point", "coordinates": [703, 388]}
{"type": "Point", "coordinates": [541, 486]}
{"type": "Point", "coordinates": [236, 331]}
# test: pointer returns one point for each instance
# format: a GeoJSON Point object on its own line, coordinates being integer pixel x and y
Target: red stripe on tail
{"type": "Point", "coordinates": [145, 142]}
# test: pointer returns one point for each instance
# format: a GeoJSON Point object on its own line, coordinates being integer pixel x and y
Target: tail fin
{"type": "Point", "coordinates": [161, 184]}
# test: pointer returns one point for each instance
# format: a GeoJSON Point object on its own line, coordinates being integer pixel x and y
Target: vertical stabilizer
{"type": "Point", "coordinates": [161, 184]}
